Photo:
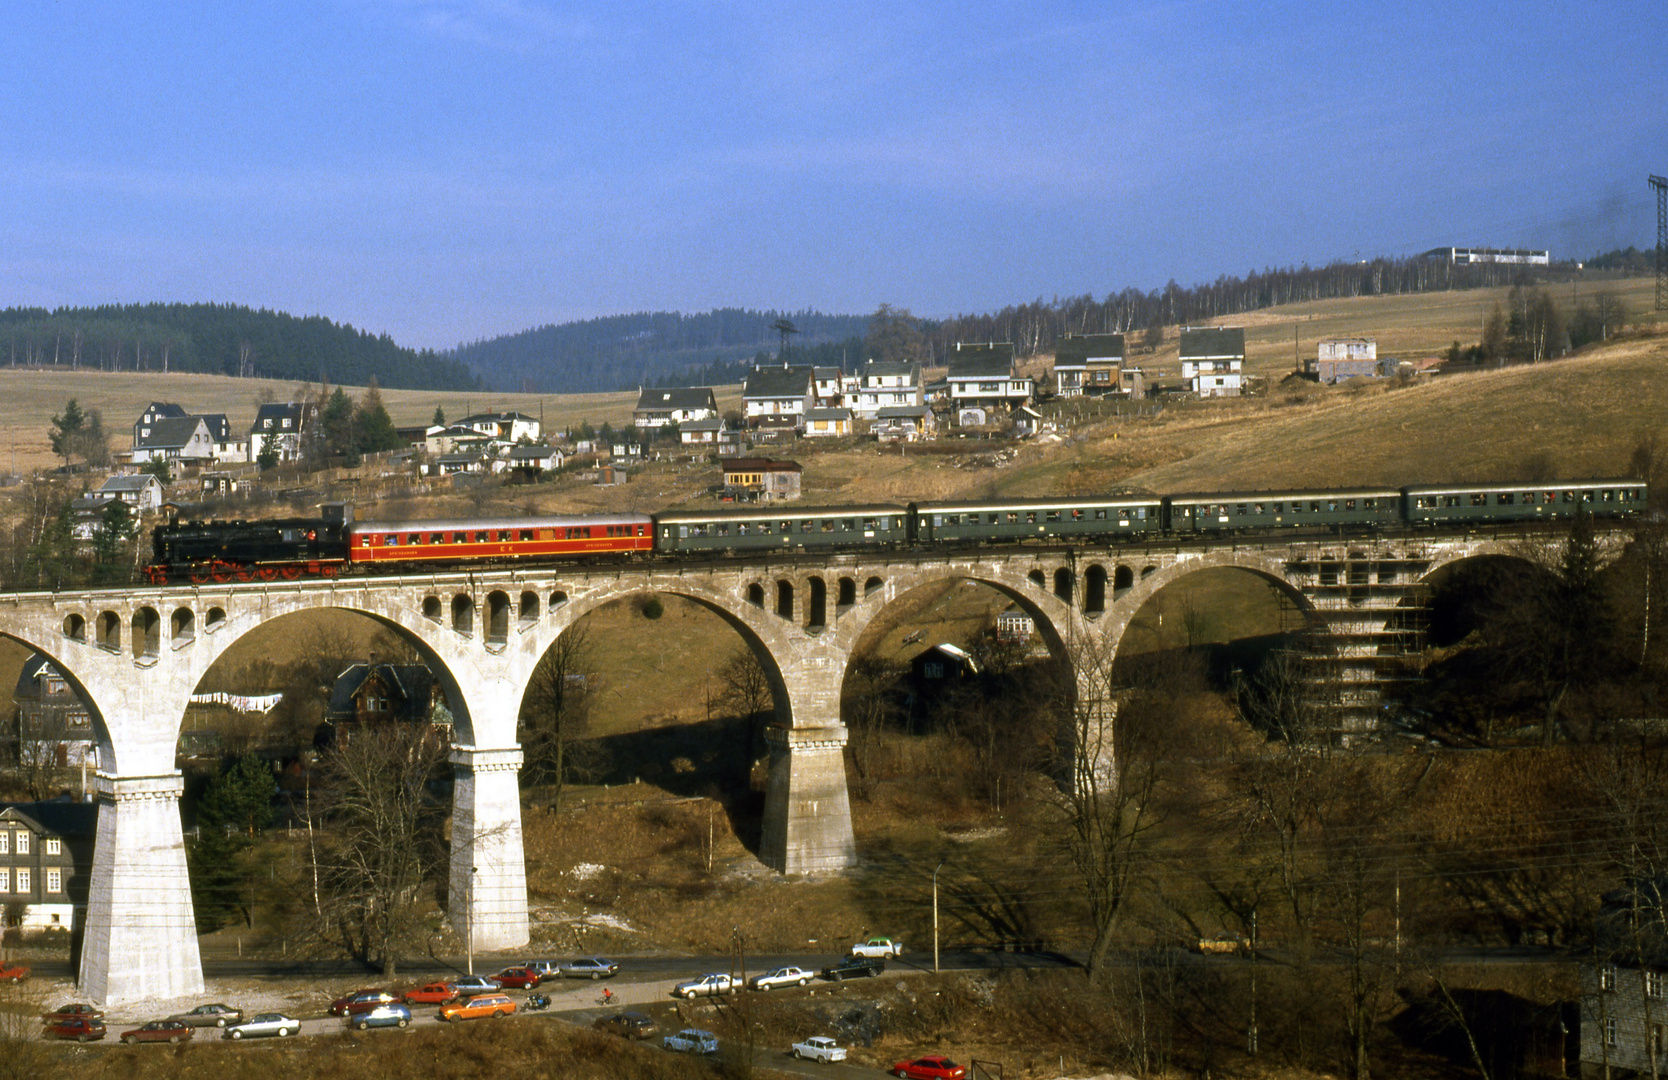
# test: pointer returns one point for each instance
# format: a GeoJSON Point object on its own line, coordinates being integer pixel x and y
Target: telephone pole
{"type": "Point", "coordinates": [1660, 184]}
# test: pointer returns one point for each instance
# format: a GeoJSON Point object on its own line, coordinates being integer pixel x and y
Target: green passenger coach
{"type": "Point", "coordinates": [1547, 501]}
{"type": "Point", "coordinates": [781, 528]}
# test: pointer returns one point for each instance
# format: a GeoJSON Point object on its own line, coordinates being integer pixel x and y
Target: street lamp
{"type": "Point", "coordinates": [935, 871]}
{"type": "Point", "coordinates": [469, 920]}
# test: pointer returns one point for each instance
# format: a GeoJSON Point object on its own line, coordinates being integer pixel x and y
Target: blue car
{"type": "Point", "coordinates": [476, 984]}
{"type": "Point", "coordinates": [390, 1015]}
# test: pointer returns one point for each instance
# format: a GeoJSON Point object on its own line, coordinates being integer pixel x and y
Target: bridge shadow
{"type": "Point", "coordinates": [722, 759]}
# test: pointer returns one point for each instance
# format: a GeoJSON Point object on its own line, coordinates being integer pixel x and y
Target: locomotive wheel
{"type": "Point", "coordinates": [244, 575]}
{"type": "Point", "coordinates": [199, 577]}
{"type": "Point", "coordinates": [330, 570]}
{"type": "Point", "coordinates": [268, 573]}
{"type": "Point", "coordinates": [291, 573]}
{"type": "Point", "coordinates": [222, 576]}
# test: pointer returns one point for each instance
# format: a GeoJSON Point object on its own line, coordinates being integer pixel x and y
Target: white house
{"type": "Point", "coordinates": [143, 492]}
{"type": "Point", "coordinates": [885, 384]}
{"type": "Point", "coordinates": [827, 423]}
{"type": "Point", "coordinates": [659, 407]}
{"type": "Point", "coordinates": [279, 424]}
{"type": "Point", "coordinates": [829, 386]}
{"type": "Point", "coordinates": [1211, 358]}
{"type": "Point", "coordinates": [779, 394]}
{"type": "Point", "coordinates": [982, 378]}
{"type": "Point", "coordinates": [533, 459]}
{"type": "Point", "coordinates": [1088, 364]}
{"type": "Point", "coordinates": [183, 439]}
{"type": "Point", "coordinates": [506, 428]}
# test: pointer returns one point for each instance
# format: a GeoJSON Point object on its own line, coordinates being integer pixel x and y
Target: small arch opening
{"type": "Point", "coordinates": [497, 617]}
{"type": "Point", "coordinates": [109, 631]}
{"type": "Point", "coordinates": [1063, 584]}
{"type": "Point", "coordinates": [1123, 577]}
{"type": "Point", "coordinates": [216, 616]}
{"type": "Point", "coordinates": [1038, 578]}
{"type": "Point", "coordinates": [1148, 571]}
{"type": "Point", "coordinates": [557, 599]}
{"type": "Point", "coordinates": [755, 595]}
{"type": "Point", "coordinates": [182, 626]}
{"type": "Point", "coordinates": [147, 633]}
{"type": "Point", "coordinates": [848, 592]}
{"type": "Point", "coordinates": [784, 599]}
{"type": "Point", "coordinates": [817, 615]}
{"type": "Point", "coordinates": [1094, 590]}
{"type": "Point", "coordinates": [463, 613]}
{"type": "Point", "coordinates": [432, 608]}
{"type": "Point", "coordinates": [529, 608]}
{"type": "Point", "coordinates": [872, 586]}
{"type": "Point", "coordinates": [75, 628]}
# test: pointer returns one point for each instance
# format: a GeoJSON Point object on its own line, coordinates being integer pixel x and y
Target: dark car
{"type": "Point", "coordinates": [168, 1031]}
{"type": "Point", "coordinates": [79, 1028]}
{"type": "Point", "coordinates": [853, 967]}
{"type": "Point", "coordinates": [216, 1015]}
{"type": "Point", "coordinates": [73, 1012]}
{"type": "Point", "coordinates": [361, 1001]}
{"type": "Point", "coordinates": [630, 1025]}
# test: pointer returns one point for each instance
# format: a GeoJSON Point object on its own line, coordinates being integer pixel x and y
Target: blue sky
{"type": "Point", "coordinates": [445, 170]}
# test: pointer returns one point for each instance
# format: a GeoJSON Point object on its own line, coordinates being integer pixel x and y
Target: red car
{"type": "Point", "coordinates": [13, 972]}
{"type": "Point", "coordinates": [79, 1028]}
{"type": "Point", "coordinates": [73, 1012]}
{"type": "Point", "coordinates": [929, 1068]}
{"type": "Point", "coordinates": [168, 1031]}
{"type": "Point", "coordinates": [432, 994]}
{"type": "Point", "coordinates": [518, 978]}
{"type": "Point", "coordinates": [361, 1001]}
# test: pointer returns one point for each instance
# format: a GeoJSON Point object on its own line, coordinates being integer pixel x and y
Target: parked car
{"type": "Point", "coordinates": [853, 967]}
{"type": "Point", "coordinates": [496, 1006]}
{"type": "Point", "coordinates": [819, 1048]}
{"type": "Point", "coordinates": [589, 967]}
{"type": "Point", "coordinates": [630, 1025]}
{"type": "Point", "coordinates": [387, 1015]}
{"type": "Point", "coordinates": [216, 1015]}
{"type": "Point", "coordinates": [705, 986]}
{"type": "Point", "coordinates": [436, 993]}
{"type": "Point", "coordinates": [878, 946]}
{"type": "Point", "coordinates": [934, 1067]}
{"type": "Point", "coordinates": [782, 976]}
{"type": "Point", "coordinates": [517, 978]}
{"type": "Point", "coordinates": [10, 972]}
{"type": "Point", "coordinates": [361, 1001]}
{"type": "Point", "coordinates": [691, 1041]}
{"type": "Point", "coordinates": [168, 1031]}
{"type": "Point", "coordinates": [73, 1012]}
{"type": "Point", "coordinates": [261, 1025]}
{"type": "Point", "coordinates": [476, 984]}
{"type": "Point", "coordinates": [79, 1028]}
{"type": "Point", "coordinates": [547, 969]}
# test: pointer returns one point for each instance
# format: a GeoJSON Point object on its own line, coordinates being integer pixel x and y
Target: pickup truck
{"type": "Point", "coordinates": [819, 1048]}
{"type": "Point", "coordinates": [878, 946]}
{"type": "Point", "coordinates": [705, 986]}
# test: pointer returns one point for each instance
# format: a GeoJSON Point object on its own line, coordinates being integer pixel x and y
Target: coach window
{"type": "Point", "coordinates": [1349, 504]}
{"type": "Point", "coordinates": [764, 528]}
{"type": "Point", "coordinates": [1479, 500]}
{"type": "Point", "coordinates": [1030, 517]}
{"type": "Point", "coordinates": [807, 525]}
{"type": "Point", "coordinates": [723, 529]}
{"type": "Point", "coordinates": [1052, 515]}
{"type": "Point", "coordinates": [1586, 496]}
{"type": "Point", "coordinates": [364, 541]}
{"type": "Point", "coordinates": [870, 525]}
{"type": "Point", "coordinates": [1100, 515]}
{"type": "Point", "coordinates": [1569, 496]}
{"type": "Point", "coordinates": [1242, 509]}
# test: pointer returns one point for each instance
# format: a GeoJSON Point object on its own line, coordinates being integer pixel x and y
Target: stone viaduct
{"type": "Point", "coordinates": [136, 655]}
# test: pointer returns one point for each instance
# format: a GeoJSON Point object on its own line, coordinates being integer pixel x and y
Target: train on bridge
{"type": "Point", "coordinates": [335, 543]}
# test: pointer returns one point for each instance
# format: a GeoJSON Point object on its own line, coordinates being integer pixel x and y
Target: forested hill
{"type": "Point", "coordinates": [221, 339]}
{"type": "Point", "coordinates": [621, 352]}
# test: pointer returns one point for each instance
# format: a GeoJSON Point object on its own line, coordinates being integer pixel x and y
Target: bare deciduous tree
{"type": "Point", "coordinates": [555, 710]}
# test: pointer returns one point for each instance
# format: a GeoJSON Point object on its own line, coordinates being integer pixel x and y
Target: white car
{"type": "Point", "coordinates": [705, 986]}
{"type": "Point", "coordinates": [819, 1048]}
{"type": "Point", "coordinates": [692, 1041]}
{"type": "Point", "coordinates": [878, 946]}
{"type": "Point", "coordinates": [782, 976]}
{"type": "Point", "coordinates": [274, 1024]}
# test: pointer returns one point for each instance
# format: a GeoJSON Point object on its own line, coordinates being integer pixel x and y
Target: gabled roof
{"type": "Point", "coordinates": [901, 412]}
{"type": "Point", "coordinates": [982, 364]}
{"type": "Point", "coordinates": [823, 374]}
{"type": "Point", "coordinates": [56, 818]}
{"type": "Point", "coordinates": [876, 369]}
{"type": "Point", "coordinates": [1076, 351]}
{"type": "Point", "coordinates": [158, 410]}
{"type": "Point", "coordinates": [676, 397]}
{"type": "Point", "coordinates": [270, 417]}
{"type": "Point", "coordinates": [533, 453]}
{"type": "Point", "coordinates": [1198, 342]}
{"type": "Point", "coordinates": [168, 434]}
{"type": "Point", "coordinates": [130, 483]}
{"type": "Point", "coordinates": [828, 414]}
{"type": "Point", "coordinates": [219, 428]}
{"type": "Point", "coordinates": [407, 682]}
{"type": "Point", "coordinates": [777, 382]}
{"type": "Point", "coordinates": [709, 423]}
{"type": "Point", "coordinates": [735, 465]}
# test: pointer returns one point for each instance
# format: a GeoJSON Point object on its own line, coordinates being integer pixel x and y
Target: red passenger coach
{"type": "Point", "coordinates": [461, 542]}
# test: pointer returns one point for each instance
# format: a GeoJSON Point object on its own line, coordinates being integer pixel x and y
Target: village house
{"type": "Point", "coordinates": [777, 396]}
{"type": "Point", "coordinates": [504, 428]}
{"type": "Point", "coordinates": [828, 387]}
{"type": "Point", "coordinates": [827, 423]}
{"type": "Point", "coordinates": [46, 860]}
{"type": "Point", "coordinates": [1339, 359]}
{"type": "Point", "coordinates": [1624, 988]}
{"type": "Point", "coordinates": [455, 439]}
{"type": "Point", "coordinates": [983, 384]}
{"type": "Point", "coordinates": [903, 423]}
{"type": "Point", "coordinates": [280, 425]}
{"type": "Point", "coordinates": [885, 384]}
{"type": "Point", "coordinates": [702, 432]}
{"type": "Point", "coordinates": [764, 479]}
{"type": "Point", "coordinates": [1088, 364]}
{"type": "Point", "coordinates": [531, 460]}
{"type": "Point", "coordinates": [659, 407]}
{"type": "Point", "coordinates": [142, 492]}
{"type": "Point", "coordinates": [183, 440]}
{"type": "Point", "coordinates": [1211, 358]}
{"type": "Point", "coordinates": [1014, 625]}
{"type": "Point", "coordinates": [53, 726]}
